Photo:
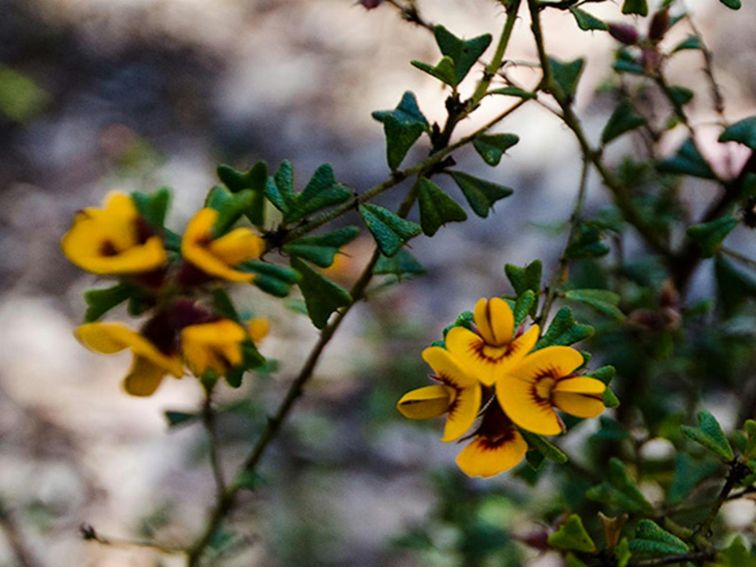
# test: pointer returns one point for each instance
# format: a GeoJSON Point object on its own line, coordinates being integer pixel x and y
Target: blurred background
{"type": "Point", "coordinates": [136, 94]}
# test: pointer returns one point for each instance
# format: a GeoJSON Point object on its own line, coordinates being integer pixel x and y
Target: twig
{"type": "Point", "coordinates": [208, 419]}
{"type": "Point", "coordinates": [88, 533]}
{"type": "Point", "coordinates": [738, 256]}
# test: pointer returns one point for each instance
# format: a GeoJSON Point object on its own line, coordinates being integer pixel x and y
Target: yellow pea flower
{"type": "Point", "coordinates": [216, 257]}
{"type": "Point", "coordinates": [496, 447]}
{"type": "Point", "coordinates": [214, 346]}
{"type": "Point", "coordinates": [113, 240]}
{"type": "Point", "coordinates": [258, 329]}
{"type": "Point", "coordinates": [544, 379]}
{"type": "Point", "coordinates": [494, 348]}
{"type": "Point", "coordinates": [149, 365]}
{"type": "Point", "coordinates": [458, 395]}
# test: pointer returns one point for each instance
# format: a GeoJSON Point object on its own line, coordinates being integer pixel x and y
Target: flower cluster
{"type": "Point", "coordinates": [491, 376]}
{"type": "Point", "coordinates": [172, 285]}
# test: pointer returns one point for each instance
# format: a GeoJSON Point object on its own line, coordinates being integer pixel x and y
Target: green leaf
{"type": "Point", "coordinates": [688, 475]}
{"type": "Point", "coordinates": [587, 243]}
{"type": "Point", "coordinates": [436, 207]}
{"type": "Point", "coordinates": [402, 265]}
{"type": "Point", "coordinates": [513, 91]}
{"type": "Point", "coordinates": [250, 480]}
{"type": "Point", "coordinates": [732, 4]}
{"type": "Point", "coordinates": [572, 535]}
{"type": "Point", "coordinates": [223, 305]}
{"type": "Point", "coordinates": [734, 286]}
{"type": "Point", "coordinates": [687, 161]}
{"type": "Point", "coordinates": [690, 42]}
{"type": "Point", "coordinates": [402, 126]}
{"type": "Point", "coordinates": [255, 178]}
{"type": "Point", "coordinates": [524, 305]}
{"type": "Point", "coordinates": [626, 62]}
{"type": "Point", "coordinates": [620, 490]}
{"type": "Point", "coordinates": [321, 295]}
{"type": "Point", "coordinates": [480, 194]}
{"type": "Point", "coordinates": [492, 146]}
{"type": "Point", "coordinates": [736, 555]}
{"type": "Point", "coordinates": [464, 53]}
{"type": "Point", "coordinates": [321, 191]}
{"type": "Point", "coordinates": [322, 249]}
{"type": "Point", "coordinates": [622, 553]}
{"type": "Point", "coordinates": [271, 278]}
{"type": "Point", "coordinates": [610, 399]}
{"type": "Point", "coordinates": [743, 132]}
{"type": "Point", "coordinates": [230, 207]}
{"type": "Point", "coordinates": [680, 95]}
{"type": "Point", "coordinates": [566, 76]}
{"type": "Point", "coordinates": [623, 119]}
{"type": "Point", "coordinates": [650, 538]}
{"type": "Point", "coordinates": [177, 418]}
{"type": "Point", "coordinates": [153, 206]}
{"type": "Point", "coordinates": [279, 189]}
{"type": "Point", "coordinates": [527, 278]}
{"type": "Point", "coordinates": [545, 447]}
{"type": "Point", "coordinates": [710, 235]}
{"type": "Point", "coordinates": [602, 300]}
{"type": "Point", "coordinates": [586, 21]}
{"type": "Point", "coordinates": [390, 231]}
{"type": "Point", "coordinates": [639, 7]}
{"type": "Point", "coordinates": [564, 330]}
{"type": "Point", "coordinates": [443, 71]}
{"type": "Point", "coordinates": [710, 435]}
{"type": "Point", "coordinates": [100, 301]}
{"type": "Point", "coordinates": [604, 373]}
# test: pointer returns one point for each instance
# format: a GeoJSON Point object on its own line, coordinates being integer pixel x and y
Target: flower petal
{"type": "Point", "coordinates": [473, 355]}
{"type": "Point", "coordinates": [258, 329]}
{"type": "Point", "coordinates": [494, 320]}
{"type": "Point", "coordinates": [144, 377]}
{"type": "Point", "coordinates": [580, 385]}
{"type": "Point", "coordinates": [239, 245]}
{"type": "Point", "coordinates": [520, 347]}
{"type": "Point", "coordinates": [485, 457]}
{"type": "Point", "coordinates": [446, 368]}
{"type": "Point", "coordinates": [519, 401]}
{"type": "Point", "coordinates": [426, 402]}
{"type": "Point", "coordinates": [462, 412]}
{"type": "Point", "coordinates": [578, 405]}
{"type": "Point", "coordinates": [556, 361]}
{"type": "Point", "coordinates": [212, 346]}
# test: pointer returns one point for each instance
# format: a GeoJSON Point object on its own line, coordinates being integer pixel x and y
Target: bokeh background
{"type": "Point", "coordinates": [136, 94]}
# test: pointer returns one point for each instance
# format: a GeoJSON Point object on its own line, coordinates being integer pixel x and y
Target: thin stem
{"type": "Point", "coordinates": [738, 256]}
{"type": "Point", "coordinates": [716, 92]}
{"type": "Point", "coordinates": [675, 559]}
{"type": "Point", "coordinates": [208, 419]}
{"type": "Point", "coordinates": [88, 533]}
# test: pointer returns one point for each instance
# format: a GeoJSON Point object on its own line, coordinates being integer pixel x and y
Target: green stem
{"type": "Point", "coordinates": [208, 419]}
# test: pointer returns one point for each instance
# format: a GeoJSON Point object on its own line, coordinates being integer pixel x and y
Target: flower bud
{"type": "Point", "coordinates": [624, 33]}
{"type": "Point", "coordinates": [659, 25]}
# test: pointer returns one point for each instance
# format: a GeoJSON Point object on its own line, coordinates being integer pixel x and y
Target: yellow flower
{"type": "Point", "coordinates": [214, 346]}
{"type": "Point", "coordinates": [114, 240]}
{"type": "Point", "coordinates": [544, 379]}
{"type": "Point", "coordinates": [458, 395]}
{"type": "Point", "coordinates": [217, 256]}
{"type": "Point", "coordinates": [496, 447]}
{"type": "Point", "coordinates": [150, 364]}
{"type": "Point", "coordinates": [258, 329]}
{"type": "Point", "coordinates": [494, 349]}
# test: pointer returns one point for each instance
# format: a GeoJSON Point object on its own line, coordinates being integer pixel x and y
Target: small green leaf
{"type": "Point", "coordinates": [572, 535]}
{"type": "Point", "coordinates": [523, 306]}
{"type": "Point", "coordinates": [177, 418]}
{"type": "Point", "coordinates": [564, 330]}
{"type": "Point", "coordinates": [620, 490]}
{"type": "Point", "coordinates": [402, 126]}
{"type": "Point", "coordinates": [626, 62]}
{"type": "Point", "coordinates": [436, 207]}
{"type": "Point", "coordinates": [100, 301]}
{"type": "Point", "coordinates": [492, 146]}
{"type": "Point", "coordinates": [545, 447]}
{"type": "Point", "coordinates": [322, 191]}
{"type": "Point", "coordinates": [610, 399]}
{"type": "Point", "coordinates": [223, 305]}
{"type": "Point", "coordinates": [587, 243]}
{"type": "Point", "coordinates": [279, 189]}
{"type": "Point", "coordinates": [464, 53]}
{"type": "Point", "coordinates": [688, 475]}
{"type": "Point", "coordinates": [743, 132]}
{"type": "Point", "coordinates": [602, 300]}
{"type": "Point", "coordinates": [691, 42]}
{"type": "Point", "coordinates": [650, 538]}
{"type": "Point", "coordinates": [513, 91]}
{"type": "Point", "coordinates": [322, 249]}
{"type": "Point", "coordinates": [586, 21]}
{"type": "Point", "coordinates": [255, 178]}
{"type": "Point", "coordinates": [732, 4]}
{"type": "Point", "coordinates": [321, 295]}
{"type": "Point", "coordinates": [639, 7]}
{"type": "Point", "coordinates": [604, 373]}
{"type": "Point", "coordinates": [390, 231]}
{"type": "Point", "coordinates": [566, 76]}
{"type": "Point", "coordinates": [624, 119]}
{"type": "Point", "coordinates": [524, 279]}
{"type": "Point", "coordinates": [622, 553]}
{"type": "Point", "coordinates": [153, 206]}
{"type": "Point", "coordinates": [402, 265]}
{"type": "Point", "coordinates": [230, 207]}
{"type": "Point", "coordinates": [680, 95]}
{"type": "Point", "coordinates": [443, 71]}
{"type": "Point", "coordinates": [271, 278]}
{"type": "Point", "coordinates": [687, 161]}
{"type": "Point", "coordinates": [480, 194]}
{"type": "Point", "coordinates": [710, 235]}
{"type": "Point", "coordinates": [710, 435]}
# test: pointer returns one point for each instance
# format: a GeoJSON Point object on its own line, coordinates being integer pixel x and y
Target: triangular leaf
{"type": "Point", "coordinates": [402, 265]}
{"type": "Point", "coordinates": [271, 278]}
{"type": "Point", "coordinates": [639, 7]}
{"type": "Point", "coordinates": [513, 91]}
{"type": "Point", "coordinates": [177, 418]}
{"type": "Point", "coordinates": [524, 305]}
{"type": "Point", "coordinates": [710, 235]}
{"type": "Point", "coordinates": [710, 435]}
{"type": "Point", "coordinates": [321, 191]}
{"type": "Point", "coordinates": [279, 189]}
{"type": "Point", "coordinates": [732, 4]}
{"type": "Point", "coordinates": [566, 76]}
{"type": "Point", "coordinates": [322, 249]}
{"type": "Point", "coordinates": [743, 131]}
{"type": "Point", "coordinates": [443, 71]}
{"type": "Point", "coordinates": [436, 207]}
{"type": "Point", "coordinates": [321, 295]}
{"type": "Point", "coordinates": [255, 178]}
{"type": "Point", "coordinates": [153, 206]}
{"type": "Point", "coordinates": [526, 278]}
{"type": "Point", "coordinates": [390, 231]}
{"type": "Point", "coordinates": [601, 300]}
{"type": "Point", "coordinates": [546, 448]}
{"type": "Point", "coordinates": [492, 146]}
{"type": "Point", "coordinates": [687, 161]}
{"type": "Point", "coordinates": [623, 119]}
{"type": "Point", "coordinates": [464, 53]}
{"type": "Point", "coordinates": [691, 42]}
{"type": "Point", "coordinates": [402, 126]}
{"type": "Point", "coordinates": [650, 538]}
{"type": "Point", "coordinates": [480, 194]}
{"type": "Point", "coordinates": [680, 95]}
{"type": "Point", "coordinates": [100, 301]}
{"type": "Point", "coordinates": [572, 535]}
{"type": "Point", "coordinates": [586, 21]}
{"type": "Point", "coordinates": [564, 330]}
{"type": "Point", "coordinates": [620, 491]}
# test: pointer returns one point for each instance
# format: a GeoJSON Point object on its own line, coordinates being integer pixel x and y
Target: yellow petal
{"type": "Point", "coordinates": [578, 405]}
{"type": "Point", "coordinates": [555, 361]}
{"type": "Point", "coordinates": [426, 402]}
{"type": "Point", "coordinates": [239, 245]}
{"type": "Point", "coordinates": [520, 347]}
{"type": "Point", "coordinates": [212, 346]}
{"type": "Point", "coordinates": [104, 338]}
{"type": "Point", "coordinates": [472, 354]}
{"type": "Point", "coordinates": [485, 457]}
{"type": "Point", "coordinates": [446, 368]}
{"type": "Point", "coordinates": [519, 401]}
{"type": "Point", "coordinates": [580, 385]}
{"type": "Point", "coordinates": [462, 412]}
{"type": "Point", "coordinates": [143, 378]}
{"type": "Point", "coordinates": [258, 329]}
{"type": "Point", "coordinates": [494, 320]}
